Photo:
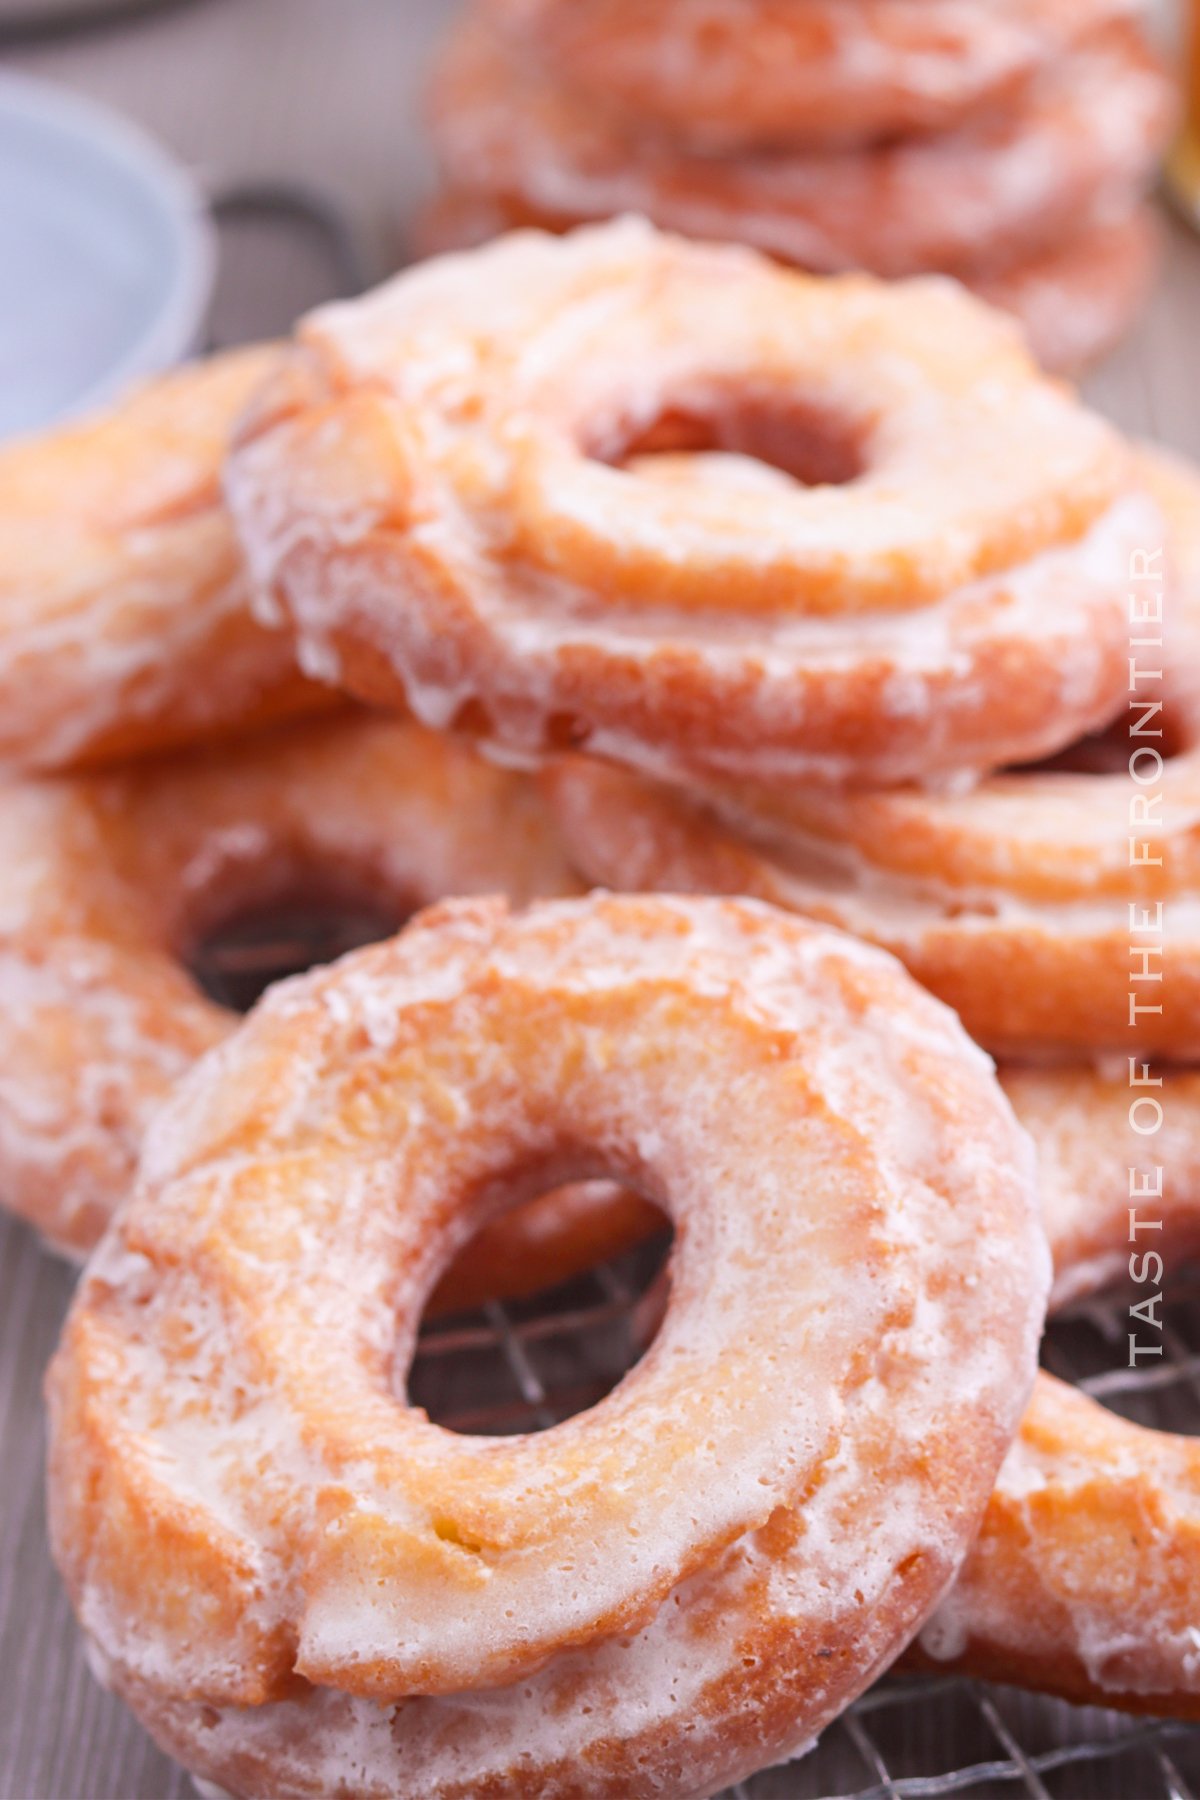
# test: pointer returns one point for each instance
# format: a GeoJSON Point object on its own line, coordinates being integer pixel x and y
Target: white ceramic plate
{"type": "Point", "coordinates": [106, 255]}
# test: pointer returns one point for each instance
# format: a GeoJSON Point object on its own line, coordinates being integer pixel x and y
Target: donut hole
{"type": "Point", "coordinates": [522, 1366]}
{"type": "Point", "coordinates": [242, 948]}
{"type": "Point", "coordinates": [741, 442]}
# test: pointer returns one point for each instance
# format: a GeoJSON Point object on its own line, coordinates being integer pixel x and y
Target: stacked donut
{"type": "Point", "coordinates": [1009, 144]}
{"type": "Point", "coordinates": [754, 586]}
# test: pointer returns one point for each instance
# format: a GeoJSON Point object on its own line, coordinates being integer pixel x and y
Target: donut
{"type": "Point", "coordinates": [1078, 301]}
{"type": "Point", "coordinates": [112, 879]}
{"type": "Point", "coordinates": [1084, 1581]}
{"type": "Point", "coordinates": [1085, 1578]}
{"type": "Point", "coordinates": [1012, 899]}
{"type": "Point", "coordinates": [125, 621]}
{"type": "Point", "coordinates": [727, 75]}
{"type": "Point", "coordinates": [443, 490]}
{"type": "Point", "coordinates": [1006, 187]}
{"type": "Point", "coordinates": [1074, 303]}
{"type": "Point", "coordinates": [662, 1593]}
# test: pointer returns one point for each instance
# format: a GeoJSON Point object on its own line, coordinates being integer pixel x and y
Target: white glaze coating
{"type": "Point", "coordinates": [1076, 302]}
{"type": "Point", "coordinates": [1085, 1578]}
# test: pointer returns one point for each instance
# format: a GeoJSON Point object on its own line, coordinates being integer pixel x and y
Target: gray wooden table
{"type": "Point", "coordinates": [325, 94]}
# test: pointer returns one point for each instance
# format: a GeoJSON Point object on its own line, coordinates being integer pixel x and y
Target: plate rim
{"type": "Point", "coordinates": [179, 199]}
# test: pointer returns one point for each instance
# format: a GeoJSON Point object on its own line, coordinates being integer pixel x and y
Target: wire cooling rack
{"type": "Point", "coordinates": [528, 1364]}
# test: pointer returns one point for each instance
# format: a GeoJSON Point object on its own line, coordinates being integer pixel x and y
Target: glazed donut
{"type": "Point", "coordinates": [1010, 900]}
{"type": "Point", "coordinates": [662, 1593]}
{"type": "Point", "coordinates": [1078, 149]}
{"type": "Point", "coordinates": [1085, 1579]}
{"type": "Point", "coordinates": [125, 622]}
{"type": "Point", "coordinates": [1078, 301]}
{"type": "Point", "coordinates": [110, 881]}
{"type": "Point", "coordinates": [433, 490]}
{"type": "Point", "coordinates": [728, 75]}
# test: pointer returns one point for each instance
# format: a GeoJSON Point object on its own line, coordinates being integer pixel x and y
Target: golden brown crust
{"type": "Point", "coordinates": [125, 613]}
{"type": "Point", "coordinates": [1084, 1580]}
{"type": "Point", "coordinates": [721, 1599]}
{"type": "Point", "coordinates": [1027, 979]}
{"type": "Point", "coordinates": [1080, 1122]}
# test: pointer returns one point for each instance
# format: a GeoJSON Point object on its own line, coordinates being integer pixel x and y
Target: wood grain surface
{"type": "Point", "coordinates": [324, 92]}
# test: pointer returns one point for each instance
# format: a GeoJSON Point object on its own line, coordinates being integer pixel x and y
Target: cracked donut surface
{"type": "Point", "coordinates": [1084, 1580]}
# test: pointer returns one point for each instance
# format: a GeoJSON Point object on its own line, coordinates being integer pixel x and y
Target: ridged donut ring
{"type": "Point", "coordinates": [125, 621]}
{"type": "Point", "coordinates": [724, 75]}
{"type": "Point", "coordinates": [656, 1595]}
{"type": "Point", "coordinates": [1014, 900]}
{"type": "Point", "coordinates": [432, 490]}
{"type": "Point", "coordinates": [109, 882]}
{"type": "Point", "coordinates": [1078, 148]}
